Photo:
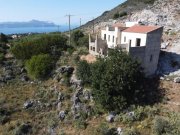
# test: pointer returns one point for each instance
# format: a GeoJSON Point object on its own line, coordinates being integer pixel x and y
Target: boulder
{"type": "Point", "coordinates": [110, 117]}
{"type": "Point", "coordinates": [60, 97]}
{"type": "Point", "coordinates": [75, 81]}
{"type": "Point", "coordinates": [24, 78]}
{"type": "Point", "coordinates": [62, 115]}
{"type": "Point", "coordinates": [119, 131]}
{"type": "Point", "coordinates": [28, 104]}
{"type": "Point", "coordinates": [65, 69]}
{"type": "Point", "coordinates": [177, 80]}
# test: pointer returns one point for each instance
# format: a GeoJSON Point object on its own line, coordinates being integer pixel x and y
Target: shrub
{"type": "Point", "coordinates": [116, 15]}
{"type": "Point", "coordinates": [76, 35]}
{"type": "Point", "coordinates": [82, 51]}
{"type": "Point", "coordinates": [1, 57]}
{"type": "Point", "coordinates": [131, 131]}
{"type": "Point", "coordinates": [80, 124]}
{"type": "Point", "coordinates": [104, 129]}
{"type": "Point", "coordinates": [122, 14]}
{"type": "Point", "coordinates": [84, 41]}
{"type": "Point", "coordinates": [39, 66]}
{"type": "Point", "coordinates": [117, 81]}
{"type": "Point", "coordinates": [3, 38]}
{"type": "Point", "coordinates": [44, 44]}
{"type": "Point", "coordinates": [160, 125]}
{"type": "Point", "coordinates": [84, 71]}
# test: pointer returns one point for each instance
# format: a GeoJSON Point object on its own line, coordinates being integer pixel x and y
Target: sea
{"type": "Point", "coordinates": [23, 30]}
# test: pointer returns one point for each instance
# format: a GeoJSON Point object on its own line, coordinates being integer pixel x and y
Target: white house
{"type": "Point", "coordinates": [141, 42]}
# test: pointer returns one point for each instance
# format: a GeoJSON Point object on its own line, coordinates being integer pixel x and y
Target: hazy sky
{"type": "Point", "coordinates": [54, 10]}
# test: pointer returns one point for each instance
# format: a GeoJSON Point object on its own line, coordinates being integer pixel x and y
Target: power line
{"type": "Point", "coordinates": [69, 17]}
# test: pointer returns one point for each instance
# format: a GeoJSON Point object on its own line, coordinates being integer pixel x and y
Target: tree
{"type": "Point", "coordinates": [43, 44]}
{"type": "Point", "coordinates": [39, 66]}
{"type": "Point", "coordinates": [3, 38]}
{"type": "Point", "coordinates": [84, 41]}
{"type": "Point", "coordinates": [84, 71]}
{"type": "Point", "coordinates": [117, 81]}
{"type": "Point", "coordinates": [76, 35]}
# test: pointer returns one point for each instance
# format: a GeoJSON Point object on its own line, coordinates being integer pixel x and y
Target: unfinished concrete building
{"type": "Point", "coordinates": [141, 42]}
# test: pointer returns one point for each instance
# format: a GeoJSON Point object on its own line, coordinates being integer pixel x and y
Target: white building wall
{"type": "Point", "coordinates": [133, 37]}
{"type": "Point", "coordinates": [109, 36]}
{"type": "Point", "coordinates": [130, 24]}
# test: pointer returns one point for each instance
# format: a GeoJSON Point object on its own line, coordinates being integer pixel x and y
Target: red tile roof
{"type": "Point", "coordinates": [141, 29]}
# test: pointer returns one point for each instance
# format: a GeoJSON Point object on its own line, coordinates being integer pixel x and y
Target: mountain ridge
{"type": "Point", "coordinates": [32, 23]}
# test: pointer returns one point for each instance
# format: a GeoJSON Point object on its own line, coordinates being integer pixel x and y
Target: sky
{"type": "Point", "coordinates": [54, 10]}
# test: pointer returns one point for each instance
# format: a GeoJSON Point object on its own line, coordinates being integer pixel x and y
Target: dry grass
{"type": "Point", "coordinates": [89, 58]}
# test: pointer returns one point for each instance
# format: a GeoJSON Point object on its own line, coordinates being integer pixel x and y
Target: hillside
{"type": "Point", "coordinates": [129, 7]}
{"type": "Point", "coordinates": [150, 12]}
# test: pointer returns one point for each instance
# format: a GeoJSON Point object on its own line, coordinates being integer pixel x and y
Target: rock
{"type": "Point", "coordinates": [119, 131]}
{"type": "Point", "coordinates": [110, 117]}
{"type": "Point", "coordinates": [23, 70]}
{"type": "Point", "coordinates": [60, 97]}
{"type": "Point", "coordinates": [28, 104]}
{"type": "Point", "coordinates": [8, 77]}
{"type": "Point", "coordinates": [62, 115]}
{"type": "Point", "coordinates": [24, 78]}
{"type": "Point", "coordinates": [65, 69]}
{"type": "Point", "coordinates": [164, 45]}
{"type": "Point", "coordinates": [161, 78]}
{"type": "Point", "coordinates": [87, 94]}
{"type": "Point", "coordinates": [59, 105]}
{"type": "Point", "coordinates": [131, 114]}
{"type": "Point", "coordinates": [75, 81]}
{"type": "Point", "coordinates": [177, 80]}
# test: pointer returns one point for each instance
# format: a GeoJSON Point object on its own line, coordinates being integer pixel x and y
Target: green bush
{"type": "Point", "coordinates": [1, 57]}
{"type": "Point", "coordinates": [104, 129]}
{"type": "Point", "coordinates": [84, 41]}
{"type": "Point", "coordinates": [117, 81]}
{"type": "Point", "coordinates": [116, 15]}
{"type": "Point", "coordinates": [80, 124]}
{"type": "Point", "coordinates": [3, 38]}
{"type": "Point", "coordinates": [160, 126]}
{"type": "Point", "coordinates": [84, 71]}
{"type": "Point", "coordinates": [39, 66]}
{"type": "Point", "coordinates": [123, 14]}
{"type": "Point", "coordinates": [131, 131]}
{"type": "Point", "coordinates": [44, 44]}
{"type": "Point", "coordinates": [76, 35]}
{"type": "Point", "coordinates": [82, 51]}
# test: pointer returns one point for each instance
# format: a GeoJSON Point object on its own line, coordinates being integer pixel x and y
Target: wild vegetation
{"type": "Point", "coordinates": [50, 101]}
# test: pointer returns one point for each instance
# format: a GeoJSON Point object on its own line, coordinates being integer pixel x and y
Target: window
{"type": "Point", "coordinates": [138, 42]}
{"type": "Point", "coordinates": [151, 58]}
{"type": "Point", "coordinates": [125, 39]}
{"type": "Point", "coordinates": [93, 48]}
{"type": "Point", "coordinates": [113, 39]}
{"type": "Point", "coordinates": [104, 36]}
{"type": "Point", "coordinates": [129, 42]}
{"type": "Point", "coordinates": [109, 38]}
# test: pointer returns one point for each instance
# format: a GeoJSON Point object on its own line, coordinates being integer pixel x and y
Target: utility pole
{"type": "Point", "coordinates": [69, 16]}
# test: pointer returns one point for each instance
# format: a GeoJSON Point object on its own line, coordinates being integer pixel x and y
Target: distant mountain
{"type": "Point", "coordinates": [32, 23]}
